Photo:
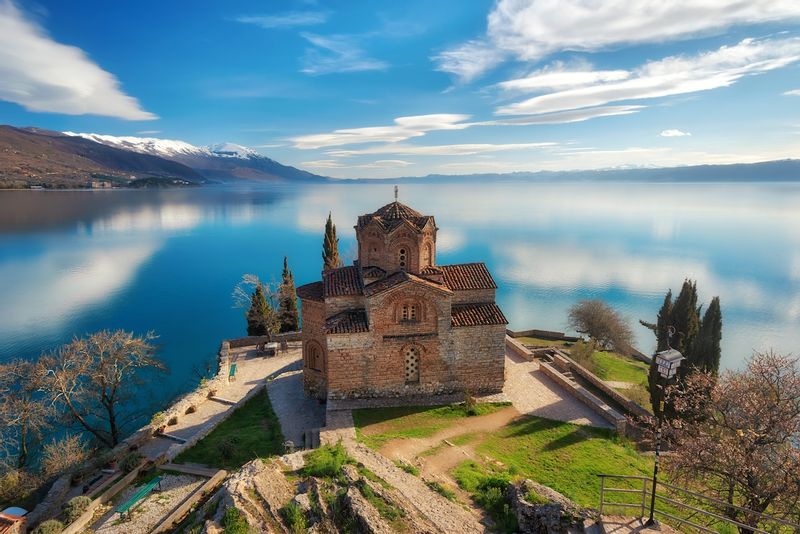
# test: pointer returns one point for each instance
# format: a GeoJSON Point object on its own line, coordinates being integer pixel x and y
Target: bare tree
{"type": "Point", "coordinates": [61, 456]}
{"type": "Point", "coordinates": [738, 437]}
{"type": "Point", "coordinates": [24, 413]}
{"type": "Point", "coordinates": [90, 379]}
{"type": "Point", "coordinates": [602, 324]}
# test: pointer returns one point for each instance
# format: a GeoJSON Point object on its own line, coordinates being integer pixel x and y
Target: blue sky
{"type": "Point", "coordinates": [382, 89]}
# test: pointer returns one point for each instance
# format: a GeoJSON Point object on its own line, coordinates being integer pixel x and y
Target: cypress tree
{"type": "Point", "coordinates": [685, 318]}
{"type": "Point", "coordinates": [330, 247]}
{"type": "Point", "coordinates": [259, 316]}
{"type": "Point", "coordinates": [287, 301]}
{"type": "Point", "coordinates": [661, 330]}
{"type": "Point", "coordinates": [705, 352]}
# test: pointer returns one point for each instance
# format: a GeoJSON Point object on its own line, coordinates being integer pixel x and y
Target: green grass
{"type": "Point", "coordinates": [252, 431]}
{"type": "Point", "coordinates": [613, 366]}
{"type": "Point", "coordinates": [408, 468]}
{"type": "Point", "coordinates": [294, 518]}
{"type": "Point", "coordinates": [393, 514]}
{"type": "Point", "coordinates": [442, 490]}
{"type": "Point", "coordinates": [412, 421]}
{"type": "Point", "coordinates": [326, 462]}
{"type": "Point", "coordinates": [234, 522]}
{"type": "Point", "coordinates": [564, 456]}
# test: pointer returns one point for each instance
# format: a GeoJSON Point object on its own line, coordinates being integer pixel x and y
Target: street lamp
{"type": "Point", "coordinates": [667, 363]}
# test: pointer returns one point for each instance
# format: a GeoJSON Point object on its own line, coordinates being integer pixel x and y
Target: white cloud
{"type": "Point", "coordinates": [337, 53]}
{"type": "Point", "coordinates": [674, 133]}
{"type": "Point", "coordinates": [290, 19]}
{"type": "Point", "coordinates": [671, 76]}
{"type": "Point", "coordinates": [417, 125]}
{"type": "Point", "coordinates": [466, 149]}
{"type": "Point", "coordinates": [528, 30]}
{"type": "Point", "coordinates": [148, 132]}
{"type": "Point", "coordinates": [557, 76]}
{"type": "Point", "coordinates": [402, 129]}
{"type": "Point", "coordinates": [41, 74]}
{"type": "Point", "coordinates": [336, 164]}
{"type": "Point", "coordinates": [564, 117]}
{"type": "Point", "coordinates": [469, 60]}
{"type": "Point", "coordinates": [793, 92]}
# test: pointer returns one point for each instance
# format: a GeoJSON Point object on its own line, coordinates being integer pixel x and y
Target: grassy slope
{"type": "Point", "coordinates": [411, 421]}
{"type": "Point", "coordinates": [253, 431]}
{"type": "Point", "coordinates": [613, 366]}
{"type": "Point", "coordinates": [564, 456]}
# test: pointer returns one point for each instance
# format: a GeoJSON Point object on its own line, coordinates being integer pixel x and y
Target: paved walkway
{"type": "Point", "coordinates": [295, 410]}
{"type": "Point", "coordinates": [533, 393]}
{"type": "Point", "coordinates": [250, 372]}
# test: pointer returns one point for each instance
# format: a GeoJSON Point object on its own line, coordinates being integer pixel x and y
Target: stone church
{"type": "Point", "coordinates": [396, 323]}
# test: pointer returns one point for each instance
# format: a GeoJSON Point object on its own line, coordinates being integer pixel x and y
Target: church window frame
{"type": "Point", "coordinates": [412, 364]}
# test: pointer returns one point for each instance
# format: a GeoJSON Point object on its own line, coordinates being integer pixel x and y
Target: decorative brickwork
{"type": "Point", "coordinates": [397, 324]}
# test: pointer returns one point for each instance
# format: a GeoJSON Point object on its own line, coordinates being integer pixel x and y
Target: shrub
{"type": "Point", "coordinates": [233, 522]}
{"type": "Point", "coordinates": [76, 507]}
{"type": "Point", "coordinates": [295, 518]}
{"type": "Point", "coordinates": [191, 409]}
{"type": "Point", "coordinates": [408, 468]}
{"type": "Point", "coordinates": [447, 493]}
{"type": "Point", "coordinates": [51, 526]}
{"type": "Point", "coordinates": [326, 461]}
{"type": "Point", "coordinates": [470, 405]}
{"type": "Point", "coordinates": [158, 419]}
{"type": "Point", "coordinates": [227, 447]}
{"type": "Point", "coordinates": [173, 420]}
{"type": "Point", "coordinates": [131, 461]}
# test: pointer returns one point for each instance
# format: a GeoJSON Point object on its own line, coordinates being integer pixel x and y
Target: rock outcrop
{"type": "Point", "coordinates": [542, 510]}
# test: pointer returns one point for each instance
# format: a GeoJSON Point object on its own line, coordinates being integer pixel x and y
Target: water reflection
{"type": "Point", "coordinates": [72, 262]}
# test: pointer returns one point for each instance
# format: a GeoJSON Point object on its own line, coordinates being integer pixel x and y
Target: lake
{"type": "Point", "coordinates": [73, 262]}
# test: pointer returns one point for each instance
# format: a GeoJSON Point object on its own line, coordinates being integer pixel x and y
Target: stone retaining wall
{"type": "Point", "coordinates": [543, 334]}
{"type": "Point", "coordinates": [183, 509]}
{"type": "Point", "coordinates": [518, 348]}
{"type": "Point", "coordinates": [587, 397]}
{"type": "Point", "coordinates": [247, 341]}
{"type": "Point", "coordinates": [631, 407]}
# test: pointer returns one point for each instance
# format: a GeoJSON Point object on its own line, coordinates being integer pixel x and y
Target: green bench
{"type": "Point", "coordinates": [141, 493]}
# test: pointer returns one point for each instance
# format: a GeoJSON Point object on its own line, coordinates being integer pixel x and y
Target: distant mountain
{"type": "Point", "coordinates": [787, 170]}
{"type": "Point", "coordinates": [31, 156]}
{"type": "Point", "coordinates": [222, 162]}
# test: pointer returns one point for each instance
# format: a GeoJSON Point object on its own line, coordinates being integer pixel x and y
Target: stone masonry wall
{"type": "Point", "coordinates": [479, 355]}
{"type": "Point", "coordinates": [314, 331]}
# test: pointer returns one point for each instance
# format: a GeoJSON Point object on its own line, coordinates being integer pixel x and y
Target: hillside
{"type": "Point", "coordinates": [221, 162]}
{"type": "Point", "coordinates": [52, 159]}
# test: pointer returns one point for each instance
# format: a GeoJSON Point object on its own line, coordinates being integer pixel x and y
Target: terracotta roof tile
{"type": "Point", "coordinates": [399, 278]}
{"type": "Point", "coordinates": [393, 214]}
{"type": "Point", "coordinates": [312, 291]}
{"type": "Point", "coordinates": [373, 272]}
{"type": "Point", "coordinates": [347, 322]}
{"type": "Point", "coordinates": [465, 276]}
{"type": "Point", "coordinates": [342, 282]}
{"type": "Point", "coordinates": [477, 315]}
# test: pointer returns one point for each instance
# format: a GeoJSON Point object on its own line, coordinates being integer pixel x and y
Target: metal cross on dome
{"type": "Point", "coordinates": [395, 193]}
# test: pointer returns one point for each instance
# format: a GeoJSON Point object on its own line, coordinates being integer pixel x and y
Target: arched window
{"type": "Point", "coordinates": [411, 357]}
{"type": "Point", "coordinates": [401, 257]}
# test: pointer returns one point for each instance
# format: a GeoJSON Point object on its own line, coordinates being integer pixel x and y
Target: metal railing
{"type": "Point", "coordinates": [695, 515]}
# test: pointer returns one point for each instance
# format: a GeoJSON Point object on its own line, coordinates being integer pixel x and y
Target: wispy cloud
{"type": "Point", "coordinates": [558, 76]}
{"type": "Point", "coordinates": [673, 75]}
{"type": "Point", "coordinates": [529, 30]}
{"type": "Point", "coordinates": [793, 92]}
{"type": "Point", "coordinates": [291, 19]}
{"type": "Point", "coordinates": [674, 133]}
{"type": "Point", "coordinates": [337, 53]}
{"type": "Point", "coordinates": [465, 149]}
{"type": "Point", "coordinates": [405, 128]}
{"type": "Point", "coordinates": [148, 132]}
{"type": "Point", "coordinates": [338, 164]}
{"type": "Point", "coordinates": [41, 74]}
{"type": "Point", "coordinates": [402, 129]}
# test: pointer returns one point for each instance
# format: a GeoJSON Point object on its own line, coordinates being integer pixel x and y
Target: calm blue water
{"type": "Point", "coordinates": [76, 262]}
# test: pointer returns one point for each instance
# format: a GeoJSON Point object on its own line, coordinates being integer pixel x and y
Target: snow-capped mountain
{"type": "Point", "coordinates": [224, 161]}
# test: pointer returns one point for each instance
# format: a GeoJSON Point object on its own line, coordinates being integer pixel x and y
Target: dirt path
{"type": "Point", "coordinates": [409, 448]}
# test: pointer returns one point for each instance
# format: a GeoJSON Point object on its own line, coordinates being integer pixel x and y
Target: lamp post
{"type": "Point", "coordinates": [667, 362]}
